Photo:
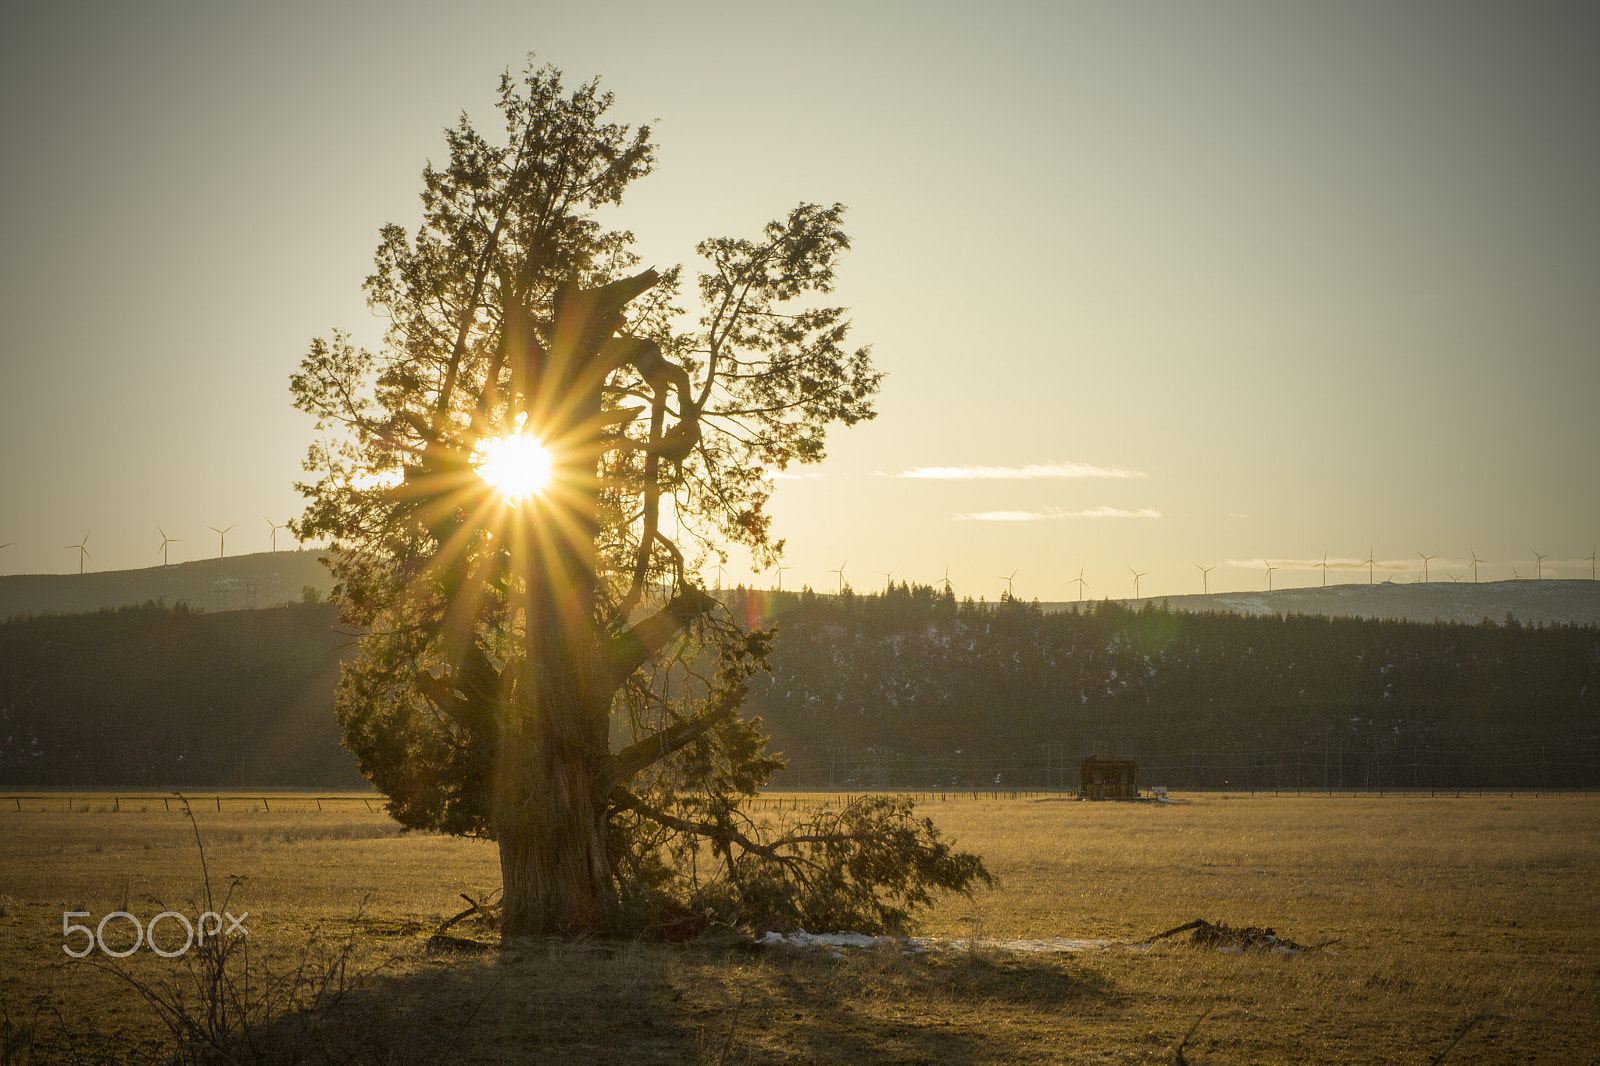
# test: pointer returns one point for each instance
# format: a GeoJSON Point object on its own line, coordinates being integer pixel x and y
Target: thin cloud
{"type": "Point", "coordinates": [1018, 473]}
{"type": "Point", "coordinates": [1056, 513]}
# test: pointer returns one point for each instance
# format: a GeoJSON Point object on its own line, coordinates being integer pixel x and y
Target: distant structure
{"type": "Point", "coordinates": [1103, 779]}
{"type": "Point", "coordinates": [165, 540]}
{"type": "Point", "coordinates": [222, 539]}
{"type": "Point", "coordinates": [1136, 576]}
{"type": "Point", "coordinates": [275, 527]}
{"type": "Point", "coordinates": [82, 550]}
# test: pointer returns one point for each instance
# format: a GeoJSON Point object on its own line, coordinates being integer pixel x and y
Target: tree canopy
{"type": "Point", "coordinates": [538, 663]}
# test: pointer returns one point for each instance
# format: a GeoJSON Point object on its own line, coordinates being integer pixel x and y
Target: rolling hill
{"type": "Point", "coordinates": [239, 582]}
{"type": "Point", "coordinates": [1544, 602]}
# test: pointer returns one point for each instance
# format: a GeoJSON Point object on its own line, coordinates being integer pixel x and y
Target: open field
{"type": "Point", "coordinates": [1472, 915]}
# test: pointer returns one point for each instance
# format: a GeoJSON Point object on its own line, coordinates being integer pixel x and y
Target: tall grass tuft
{"type": "Point", "coordinates": [225, 1004]}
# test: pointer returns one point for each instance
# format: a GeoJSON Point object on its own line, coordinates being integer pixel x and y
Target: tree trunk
{"type": "Point", "coordinates": [554, 866]}
{"type": "Point", "coordinates": [554, 759]}
{"type": "Point", "coordinates": [554, 753]}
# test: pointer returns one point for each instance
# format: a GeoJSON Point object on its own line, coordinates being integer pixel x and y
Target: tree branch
{"type": "Point", "coordinates": [643, 753]}
{"type": "Point", "coordinates": [639, 643]}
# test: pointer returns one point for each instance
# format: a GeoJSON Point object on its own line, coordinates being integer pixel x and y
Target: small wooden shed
{"type": "Point", "coordinates": [1100, 779]}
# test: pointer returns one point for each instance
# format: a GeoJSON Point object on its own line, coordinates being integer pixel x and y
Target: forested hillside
{"type": "Point", "coordinates": [908, 688]}
{"type": "Point", "coordinates": [912, 687]}
{"type": "Point", "coordinates": [163, 696]}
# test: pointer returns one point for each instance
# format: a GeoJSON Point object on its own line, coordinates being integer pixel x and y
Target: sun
{"type": "Point", "coordinates": [517, 466]}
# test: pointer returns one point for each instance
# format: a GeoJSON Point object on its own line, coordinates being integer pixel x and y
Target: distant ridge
{"type": "Point", "coordinates": [1535, 602]}
{"type": "Point", "coordinates": [238, 582]}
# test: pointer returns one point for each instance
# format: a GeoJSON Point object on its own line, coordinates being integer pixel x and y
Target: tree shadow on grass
{"type": "Point", "coordinates": [602, 1002]}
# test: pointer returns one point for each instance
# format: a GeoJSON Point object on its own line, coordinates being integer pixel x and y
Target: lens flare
{"type": "Point", "coordinates": [517, 466]}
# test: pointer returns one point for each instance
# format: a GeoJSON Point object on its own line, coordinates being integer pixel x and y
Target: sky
{"type": "Point", "coordinates": [1156, 286]}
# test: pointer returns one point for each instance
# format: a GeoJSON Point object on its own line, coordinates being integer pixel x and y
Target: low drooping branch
{"type": "Point", "coordinates": [625, 800]}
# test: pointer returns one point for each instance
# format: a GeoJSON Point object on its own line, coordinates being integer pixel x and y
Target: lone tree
{"type": "Point", "coordinates": [517, 489]}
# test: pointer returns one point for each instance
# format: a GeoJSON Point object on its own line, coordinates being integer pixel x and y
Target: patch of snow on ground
{"type": "Point", "coordinates": [919, 944]}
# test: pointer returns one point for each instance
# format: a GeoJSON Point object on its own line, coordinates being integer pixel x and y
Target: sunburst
{"type": "Point", "coordinates": [517, 465]}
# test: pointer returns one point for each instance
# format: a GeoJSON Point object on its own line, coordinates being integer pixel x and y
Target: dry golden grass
{"type": "Point", "coordinates": [1473, 913]}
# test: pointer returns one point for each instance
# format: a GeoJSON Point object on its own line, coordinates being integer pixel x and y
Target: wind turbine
{"type": "Point", "coordinates": [1324, 565]}
{"type": "Point", "coordinates": [1425, 559]}
{"type": "Point", "coordinates": [1370, 565]}
{"type": "Point", "coordinates": [1591, 561]}
{"type": "Point", "coordinates": [1136, 577]}
{"type": "Point", "coordinates": [83, 552]}
{"type": "Point", "coordinates": [1270, 569]}
{"type": "Point", "coordinates": [1475, 562]}
{"type": "Point", "coordinates": [888, 575]}
{"type": "Point", "coordinates": [946, 579]}
{"type": "Point", "coordinates": [222, 534]}
{"type": "Point", "coordinates": [275, 528]}
{"type": "Point", "coordinates": [165, 540]}
{"type": "Point", "coordinates": [1205, 577]}
{"type": "Point", "coordinates": [1538, 564]}
{"type": "Point", "coordinates": [781, 569]}
{"type": "Point", "coordinates": [1080, 582]}
{"type": "Point", "coordinates": [1007, 580]}
{"type": "Point", "coordinates": [840, 572]}
{"type": "Point", "coordinates": [719, 577]}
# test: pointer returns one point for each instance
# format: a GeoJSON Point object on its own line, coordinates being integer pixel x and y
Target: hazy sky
{"type": "Point", "coordinates": [1305, 279]}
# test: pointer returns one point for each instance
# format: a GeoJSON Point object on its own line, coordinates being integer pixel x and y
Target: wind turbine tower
{"type": "Point", "coordinates": [1009, 591]}
{"type": "Point", "coordinates": [83, 552]}
{"type": "Point", "coordinates": [1538, 564]}
{"type": "Point", "coordinates": [165, 540]}
{"type": "Point", "coordinates": [1324, 565]}
{"type": "Point", "coordinates": [840, 572]}
{"type": "Point", "coordinates": [1136, 576]}
{"type": "Point", "coordinates": [222, 539]}
{"type": "Point", "coordinates": [1475, 562]}
{"type": "Point", "coordinates": [1425, 560]}
{"type": "Point", "coordinates": [275, 528]}
{"type": "Point", "coordinates": [1205, 577]}
{"type": "Point", "coordinates": [1370, 565]}
{"type": "Point", "coordinates": [1080, 582]}
{"type": "Point", "coordinates": [1270, 569]}
{"type": "Point", "coordinates": [780, 570]}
